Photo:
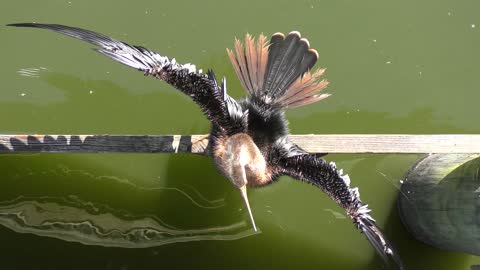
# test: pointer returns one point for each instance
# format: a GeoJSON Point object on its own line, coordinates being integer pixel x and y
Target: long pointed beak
{"type": "Point", "coordinates": [243, 192]}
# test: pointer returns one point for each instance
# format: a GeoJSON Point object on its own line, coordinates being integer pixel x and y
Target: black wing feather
{"type": "Point", "coordinates": [316, 171]}
{"type": "Point", "coordinates": [216, 104]}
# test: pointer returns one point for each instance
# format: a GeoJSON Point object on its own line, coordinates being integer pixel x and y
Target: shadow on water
{"type": "Point", "coordinates": [415, 254]}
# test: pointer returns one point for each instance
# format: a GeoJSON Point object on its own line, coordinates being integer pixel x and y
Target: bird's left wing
{"type": "Point", "coordinates": [202, 88]}
{"type": "Point", "coordinates": [314, 170]}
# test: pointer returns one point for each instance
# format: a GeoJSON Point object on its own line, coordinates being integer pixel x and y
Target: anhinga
{"type": "Point", "coordinates": [249, 137]}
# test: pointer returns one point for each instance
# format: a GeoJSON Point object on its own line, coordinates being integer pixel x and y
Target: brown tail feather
{"type": "Point", "coordinates": [305, 93]}
{"type": "Point", "coordinates": [306, 101]}
{"type": "Point", "coordinates": [262, 52]}
{"type": "Point", "coordinates": [252, 59]}
{"type": "Point", "coordinates": [240, 51]}
{"type": "Point", "coordinates": [236, 66]}
{"type": "Point", "coordinates": [250, 62]}
{"type": "Point", "coordinates": [304, 86]}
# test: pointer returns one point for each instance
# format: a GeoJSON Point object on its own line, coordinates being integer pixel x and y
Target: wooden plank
{"type": "Point", "coordinates": [354, 143]}
{"type": "Point", "coordinates": [389, 143]}
{"type": "Point", "coordinates": [103, 143]}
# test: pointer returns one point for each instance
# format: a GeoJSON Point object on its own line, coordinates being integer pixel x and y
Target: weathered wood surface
{"type": "Point", "coordinates": [389, 143]}
{"type": "Point", "coordinates": [355, 143]}
{"type": "Point", "coordinates": [103, 143]}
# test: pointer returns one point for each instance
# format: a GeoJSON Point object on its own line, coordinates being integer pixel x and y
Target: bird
{"type": "Point", "coordinates": [249, 139]}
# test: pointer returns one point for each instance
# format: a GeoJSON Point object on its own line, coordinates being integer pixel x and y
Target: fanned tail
{"type": "Point", "coordinates": [279, 73]}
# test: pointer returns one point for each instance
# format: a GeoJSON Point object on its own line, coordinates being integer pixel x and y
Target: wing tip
{"type": "Point", "coordinates": [21, 24]}
{"type": "Point", "coordinates": [384, 249]}
{"type": "Point", "coordinates": [375, 236]}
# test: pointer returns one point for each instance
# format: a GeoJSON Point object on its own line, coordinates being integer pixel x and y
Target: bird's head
{"type": "Point", "coordinates": [243, 164]}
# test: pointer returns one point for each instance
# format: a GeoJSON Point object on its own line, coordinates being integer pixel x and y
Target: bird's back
{"type": "Point", "coordinates": [265, 125]}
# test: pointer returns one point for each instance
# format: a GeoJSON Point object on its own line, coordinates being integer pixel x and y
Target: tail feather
{"type": "Point", "coordinates": [294, 69]}
{"type": "Point", "coordinates": [306, 101]}
{"type": "Point", "coordinates": [242, 62]}
{"type": "Point", "coordinates": [273, 52]}
{"type": "Point", "coordinates": [238, 70]}
{"type": "Point", "coordinates": [309, 59]}
{"type": "Point", "coordinates": [301, 83]}
{"type": "Point", "coordinates": [262, 54]}
{"type": "Point", "coordinates": [279, 73]}
{"type": "Point", "coordinates": [281, 63]}
{"type": "Point", "coordinates": [250, 63]}
{"type": "Point", "coordinates": [252, 60]}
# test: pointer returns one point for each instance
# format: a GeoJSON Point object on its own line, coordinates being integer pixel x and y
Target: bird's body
{"type": "Point", "coordinates": [259, 138]}
{"type": "Point", "coordinates": [249, 141]}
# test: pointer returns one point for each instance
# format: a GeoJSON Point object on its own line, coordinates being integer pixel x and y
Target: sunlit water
{"type": "Point", "coordinates": [395, 67]}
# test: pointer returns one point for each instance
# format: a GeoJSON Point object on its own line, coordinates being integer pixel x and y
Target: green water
{"type": "Point", "coordinates": [395, 67]}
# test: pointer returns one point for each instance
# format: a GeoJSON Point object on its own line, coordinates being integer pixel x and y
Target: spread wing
{"type": "Point", "coordinates": [219, 108]}
{"type": "Point", "coordinates": [314, 170]}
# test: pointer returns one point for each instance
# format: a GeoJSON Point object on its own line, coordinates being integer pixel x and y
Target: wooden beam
{"type": "Point", "coordinates": [389, 143]}
{"type": "Point", "coordinates": [354, 143]}
{"type": "Point", "coordinates": [103, 143]}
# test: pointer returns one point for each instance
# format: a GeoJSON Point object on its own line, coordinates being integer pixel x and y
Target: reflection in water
{"type": "Point", "coordinates": [207, 204]}
{"type": "Point", "coordinates": [74, 201]}
{"type": "Point", "coordinates": [31, 72]}
{"type": "Point", "coordinates": [71, 219]}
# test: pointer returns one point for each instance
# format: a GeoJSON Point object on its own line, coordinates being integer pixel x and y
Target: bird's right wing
{"type": "Point", "coordinates": [202, 88]}
{"type": "Point", "coordinates": [316, 171]}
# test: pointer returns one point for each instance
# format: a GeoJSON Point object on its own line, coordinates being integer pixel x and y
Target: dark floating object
{"type": "Point", "coordinates": [440, 202]}
{"type": "Point", "coordinates": [249, 139]}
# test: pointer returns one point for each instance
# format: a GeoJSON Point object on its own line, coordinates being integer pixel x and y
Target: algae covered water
{"type": "Point", "coordinates": [404, 67]}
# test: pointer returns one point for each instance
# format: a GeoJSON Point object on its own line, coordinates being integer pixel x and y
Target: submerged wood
{"type": "Point", "coordinates": [197, 144]}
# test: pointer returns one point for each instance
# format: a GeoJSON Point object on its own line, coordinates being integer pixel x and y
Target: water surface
{"type": "Point", "coordinates": [395, 67]}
